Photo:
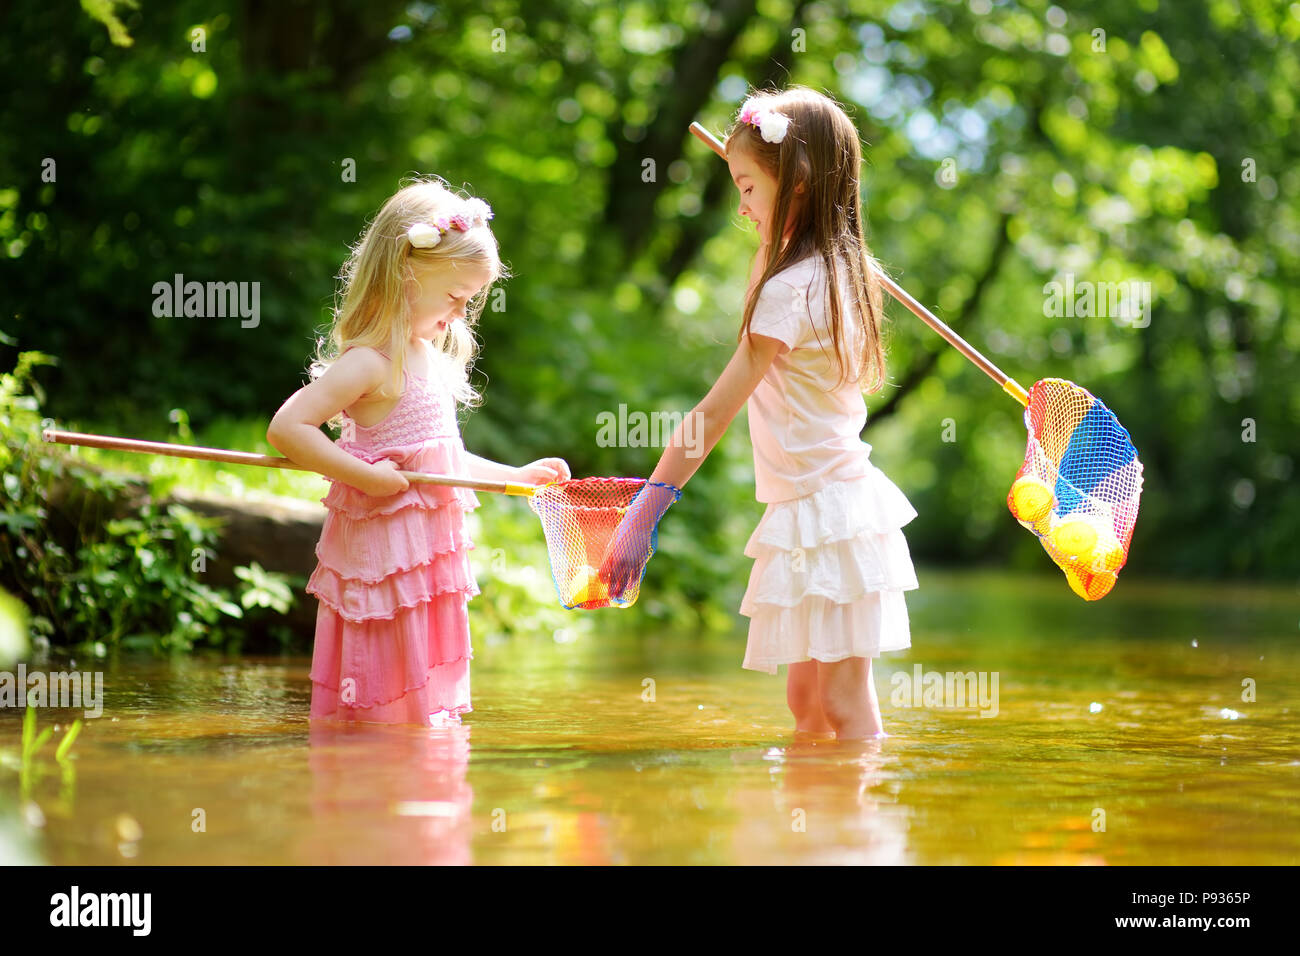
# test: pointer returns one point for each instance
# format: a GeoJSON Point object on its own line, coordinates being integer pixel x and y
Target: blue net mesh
{"type": "Point", "coordinates": [1079, 486]}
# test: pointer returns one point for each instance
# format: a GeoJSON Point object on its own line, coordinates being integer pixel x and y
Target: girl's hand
{"type": "Point", "coordinates": [544, 470]}
{"type": "Point", "coordinates": [629, 550]}
{"type": "Point", "coordinates": [385, 480]}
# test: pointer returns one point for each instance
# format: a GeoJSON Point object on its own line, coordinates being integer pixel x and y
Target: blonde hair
{"type": "Point", "coordinates": [821, 151]}
{"type": "Point", "coordinates": [371, 306]}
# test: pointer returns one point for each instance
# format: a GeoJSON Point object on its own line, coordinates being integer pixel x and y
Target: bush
{"type": "Point", "coordinates": [125, 582]}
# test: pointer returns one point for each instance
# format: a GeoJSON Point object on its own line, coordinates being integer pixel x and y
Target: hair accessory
{"type": "Point", "coordinates": [423, 235]}
{"type": "Point", "coordinates": [772, 126]}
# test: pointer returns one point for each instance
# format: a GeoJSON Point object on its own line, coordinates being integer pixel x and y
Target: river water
{"type": "Point", "coordinates": [1159, 726]}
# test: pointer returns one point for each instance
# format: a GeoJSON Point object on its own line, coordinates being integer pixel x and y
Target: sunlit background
{"type": "Point", "coordinates": [1008, 145]}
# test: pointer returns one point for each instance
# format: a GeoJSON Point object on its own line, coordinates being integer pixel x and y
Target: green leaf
{"type": "Point", "coordinates": [68, 739]}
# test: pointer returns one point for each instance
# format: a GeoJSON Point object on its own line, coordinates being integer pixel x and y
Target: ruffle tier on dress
{"type": "Point", "coordinates": [392, 578]}
{"type": "Point", "coordinates": [829, 574]}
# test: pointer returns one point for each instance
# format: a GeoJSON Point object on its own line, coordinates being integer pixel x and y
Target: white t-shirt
{"type": "Point", "coordinates": [805, 429]}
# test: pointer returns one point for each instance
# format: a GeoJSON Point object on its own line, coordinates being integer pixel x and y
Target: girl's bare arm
{"type": "Point", "coordinates": [534, 473]}
{"type": "Point", "coordinates": [705, 424]}
{"type": "Point", "coordinates": [295, 428]}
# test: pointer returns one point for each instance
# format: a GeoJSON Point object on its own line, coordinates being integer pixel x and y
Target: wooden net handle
{"type": "Point", "coordinates": [263, 461]}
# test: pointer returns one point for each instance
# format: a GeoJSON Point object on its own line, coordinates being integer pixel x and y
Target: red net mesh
{"type": "Point", "coordinates": [1079, 486]}
{"type": "Point", "coordinates": [579, 519]}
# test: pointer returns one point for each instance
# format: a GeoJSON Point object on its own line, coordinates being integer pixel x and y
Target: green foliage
{"type": "Point", "coordinates": [1008, 144]}
{"type": "Point", "coordinates": [13, 629]}
{"type": "Point", "coordinates": [31, 768]}
{"type": "Point", "coordinates": [140, 575]}
{"type": "Point", "coordinates": [104, 11]}
{"type": "Point", "coordinates": [265, 589]}
{"type": "Point", "coordinates": [130, 582]}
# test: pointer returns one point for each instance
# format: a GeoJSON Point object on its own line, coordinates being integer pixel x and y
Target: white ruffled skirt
{"type": "Point", "coordinates": [829, 574]}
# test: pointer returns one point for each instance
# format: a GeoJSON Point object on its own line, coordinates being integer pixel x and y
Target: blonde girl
{"type": "Point", "coordinates": [393, 575]}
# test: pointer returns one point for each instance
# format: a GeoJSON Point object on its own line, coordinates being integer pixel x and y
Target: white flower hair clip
{"type": "Point", "coordinates": [772, 126]}
{"type": "Point", "coordinates": [423, 235]}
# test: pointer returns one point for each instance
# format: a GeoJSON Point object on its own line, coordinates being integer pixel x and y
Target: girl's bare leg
{"type": "Point", "coordinates": [803, 694]}
{"type": "Point", "coordinates": [848, 698]}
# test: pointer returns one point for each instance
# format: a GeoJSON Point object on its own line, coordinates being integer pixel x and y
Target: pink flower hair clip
{"type": "Point", "coordinates": [423, 235]}
{"type": "Point", "coordinates": [772, 126]}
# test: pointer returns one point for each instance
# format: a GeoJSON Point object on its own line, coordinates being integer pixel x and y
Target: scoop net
{"type": "Point", "coordinates": [1079, 485]}
{"type": "Point", "coordinates": [580, 519]}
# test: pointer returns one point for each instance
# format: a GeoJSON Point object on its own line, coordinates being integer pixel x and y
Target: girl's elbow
{"type": "Point", "coordinates": [275, 435]}
{"type": "Point", "coordinates": [703, 429]}
{"type": "Point", "coordinates": [712, 420]}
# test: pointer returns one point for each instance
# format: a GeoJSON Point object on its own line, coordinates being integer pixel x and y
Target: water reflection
{"type": "Point", "coordinates": [1112, 744]}
{"type": "Point", "coordinates": [383, 794]}
{"type": "Point", "coordinates": [825, 807]}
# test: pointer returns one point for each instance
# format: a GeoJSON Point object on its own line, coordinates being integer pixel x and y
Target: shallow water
{"type": "Point", "coordinates": [1127, 714]}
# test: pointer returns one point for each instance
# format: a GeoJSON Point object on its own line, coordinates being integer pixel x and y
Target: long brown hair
{"type": "Point", "coordinates": [821, 151]}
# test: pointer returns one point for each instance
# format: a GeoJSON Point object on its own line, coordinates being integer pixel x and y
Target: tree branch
{"type": "Point", "coordinates": [630, 201]}
{"type": "Point", "coordinates": [775, 65]}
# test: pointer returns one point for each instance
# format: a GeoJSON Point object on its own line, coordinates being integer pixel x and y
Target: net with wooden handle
{"type": "Point", "coordinates": [580, 517]}
{"type": "Point", "coordinates": [1080, 484]}
{"type": "Point", "coordinates": [200, 453]}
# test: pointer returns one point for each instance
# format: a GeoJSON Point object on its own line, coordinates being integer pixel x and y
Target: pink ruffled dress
{"type": "Point", "coordinates": [393, 577]}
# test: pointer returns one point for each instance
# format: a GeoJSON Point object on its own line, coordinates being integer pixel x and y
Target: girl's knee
{"type": "Point", "coordinates": [801, 698]}
{"type": "Point", "coordinates": [845, 690]}
{"type": "Point", "coordinates": [801, 689]}
{"type": "Point", "coordinates": [841, 709]}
